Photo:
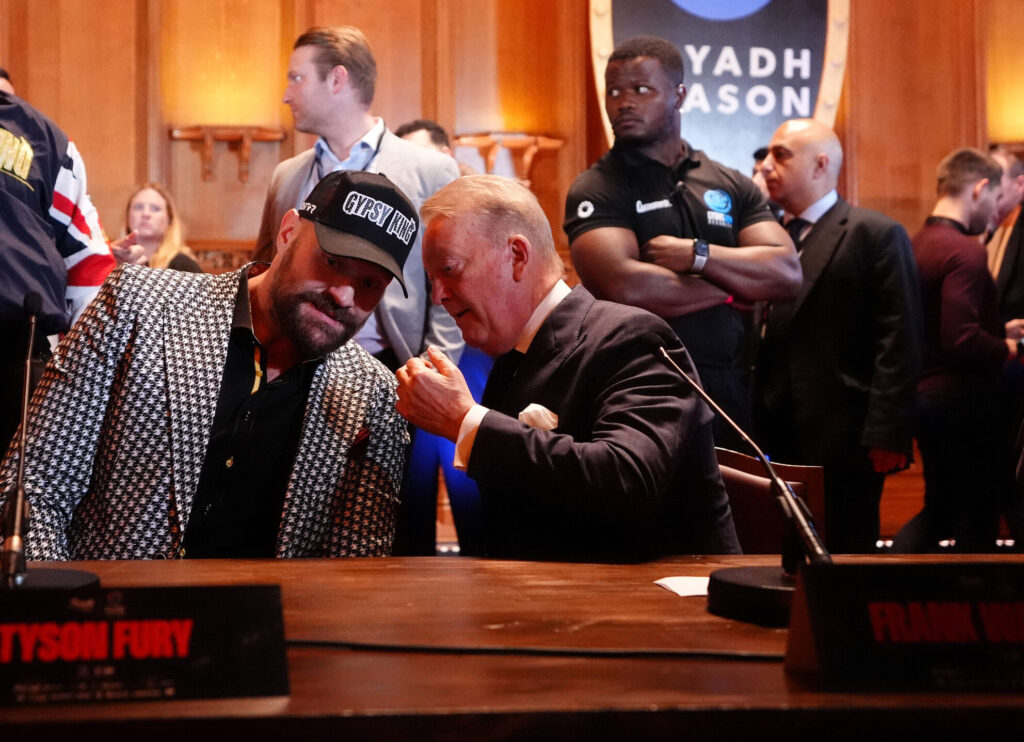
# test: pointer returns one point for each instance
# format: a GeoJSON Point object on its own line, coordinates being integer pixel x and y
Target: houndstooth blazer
{"type": "Point", "coordinates": [119, 425]}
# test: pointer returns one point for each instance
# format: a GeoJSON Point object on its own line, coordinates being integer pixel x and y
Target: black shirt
{"type": "Point", "coordinates": [697, 197]}
{"type": "Point", "coordinates": [236, 512]}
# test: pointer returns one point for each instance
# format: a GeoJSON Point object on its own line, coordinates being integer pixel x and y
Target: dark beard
{"type": "Point", "coordinates": [310, 336]}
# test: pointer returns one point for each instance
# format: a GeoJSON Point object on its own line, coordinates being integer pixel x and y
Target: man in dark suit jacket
{"type": "Point", "coordinates": [1005, 244]}
{"type": "Point", "coordinates": [1005, 247]}
{"type": "Point", "coordinates": [837, 368]}
{"type": "Point", "coordinates": [587, 446]}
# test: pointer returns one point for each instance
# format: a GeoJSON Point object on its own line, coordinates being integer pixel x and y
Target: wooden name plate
{"type": "Point", "coordinates": [142, 644]}
{"type": "Point", "coordinates": [951, 625]}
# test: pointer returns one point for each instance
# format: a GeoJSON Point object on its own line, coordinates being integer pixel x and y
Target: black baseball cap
{"type": "Point", "coordinates": [365, 216]}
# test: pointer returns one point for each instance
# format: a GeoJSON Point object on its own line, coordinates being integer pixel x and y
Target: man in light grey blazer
{"type": "Point", "coordinates": [331, 78]}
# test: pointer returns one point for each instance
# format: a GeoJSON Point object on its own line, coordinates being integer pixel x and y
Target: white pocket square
{"type": "Point", "coordinates": [538, 416]}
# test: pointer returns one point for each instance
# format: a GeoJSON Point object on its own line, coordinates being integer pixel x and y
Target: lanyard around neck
{"type": "Point", "coordinates": [318, 164]}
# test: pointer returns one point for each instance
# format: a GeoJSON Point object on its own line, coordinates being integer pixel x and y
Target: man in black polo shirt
{"type": "Point", "coordinates": [229, 415]}
{"type": "Point", "coordinates": [659, 225]}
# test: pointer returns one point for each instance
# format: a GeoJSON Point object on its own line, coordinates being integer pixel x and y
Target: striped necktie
{"type": "Point", "coordinates": [795, 226]}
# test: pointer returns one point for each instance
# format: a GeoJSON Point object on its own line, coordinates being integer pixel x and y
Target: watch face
{"type": "Point", "coordinates": [700, 255]}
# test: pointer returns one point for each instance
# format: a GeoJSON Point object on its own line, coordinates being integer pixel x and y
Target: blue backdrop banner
{"type": "Point", "coordinates": [750, 65]}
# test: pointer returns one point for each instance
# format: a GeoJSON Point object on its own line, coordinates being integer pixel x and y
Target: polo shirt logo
{"type": "Point", "coordinates": [719, 201]}
{"type": "Point", "coordinates": [585, 209]}
{"type": "Point", "coordinates": [719, 220]}
{"type": "Point", "coordinates": [642, 208]}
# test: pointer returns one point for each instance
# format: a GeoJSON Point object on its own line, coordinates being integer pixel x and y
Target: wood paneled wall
{"type": "Point", "coordinates": [84, 64]}
{"type": "Point", "coordinates": [116, 74]}
{"type": "Point", "coordinates": [1004, 81]}
{"type": "Point", "coordinates": [220, 63]}
{"type": "Point", "coordinates": [914, 90]}
{"type": "Point", "coordinates": [532, 79]}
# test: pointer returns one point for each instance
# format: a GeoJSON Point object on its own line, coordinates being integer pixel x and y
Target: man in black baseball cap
{"type": "Point", "coordinates": [354, 232]}
{"type": "Point", "coordinates": [229, 415]}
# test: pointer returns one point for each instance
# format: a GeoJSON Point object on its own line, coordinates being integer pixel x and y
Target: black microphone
{"type": "Point", "coordinates": [16, 509]}
{"type": "Point", "coordinates": [761, 594]}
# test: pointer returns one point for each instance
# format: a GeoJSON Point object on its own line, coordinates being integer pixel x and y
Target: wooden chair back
{"type": "Point", "coordinates": [758, 523]}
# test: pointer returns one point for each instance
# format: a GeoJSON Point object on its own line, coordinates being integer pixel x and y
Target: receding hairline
{"type": "Point", "coordinates": [498, 201]}
{"type": "Point", "coordinates": [818, 136]}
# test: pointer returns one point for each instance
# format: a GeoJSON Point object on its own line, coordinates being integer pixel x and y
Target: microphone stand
{"type": "Point", "coordinates": [16, 510]}
{"type": "Point", "coordinates": [763, 594]}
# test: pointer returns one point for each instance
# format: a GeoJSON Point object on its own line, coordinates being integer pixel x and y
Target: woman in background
{"type": "Point", "coordinates": [159, 239]}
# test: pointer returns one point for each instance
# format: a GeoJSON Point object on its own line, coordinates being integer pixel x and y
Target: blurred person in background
{"type": "Point", "coordinates": [960, 420]}
{"type": "Point", "coordinates": [431, 135]}
{"type": "Point", "coordinates": [159, 233]}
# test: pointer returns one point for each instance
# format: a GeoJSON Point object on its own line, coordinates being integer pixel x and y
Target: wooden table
{"type": "Point", "coordinates": [464, 649]}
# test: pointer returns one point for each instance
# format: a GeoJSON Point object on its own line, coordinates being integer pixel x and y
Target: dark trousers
{"type": "Point", "coordinates": [1013, 492]}
{"type": "Point", "coordinates": [853, 492]}
{"type": "Point", "coordinates": [963, 451]}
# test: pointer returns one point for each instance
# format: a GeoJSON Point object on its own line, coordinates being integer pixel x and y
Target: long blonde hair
{"type": "Point", "coordinates": [174, 238]}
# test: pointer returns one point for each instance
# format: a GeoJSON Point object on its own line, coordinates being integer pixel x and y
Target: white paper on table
{"type": "Point", "coordinates": [685, 586]}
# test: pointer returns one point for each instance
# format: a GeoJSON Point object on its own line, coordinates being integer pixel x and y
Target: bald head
{"type": "Point", "coordinates": [803, 163]}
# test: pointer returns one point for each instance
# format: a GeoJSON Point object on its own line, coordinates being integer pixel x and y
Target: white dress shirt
{"type": "Point", "coordinates": [471, 422]}
{"type": "Point", "coordinates": [814, 212]}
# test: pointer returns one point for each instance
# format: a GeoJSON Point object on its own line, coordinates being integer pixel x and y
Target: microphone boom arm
{"type": "Point", "coordinates": [15, 515]}
{"type": "Point", "coordinates": [792, 508]}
